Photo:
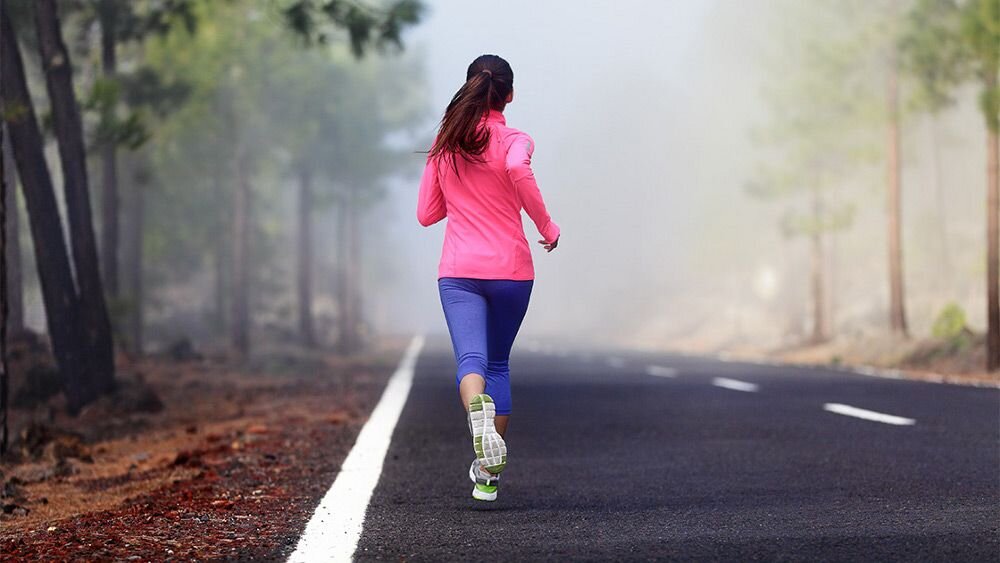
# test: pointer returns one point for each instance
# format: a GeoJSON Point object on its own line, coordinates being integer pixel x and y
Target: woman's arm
{"type": "Point", "coordinates": [519, 169]}
{"type": "Point", "coordinates": [430, 201]}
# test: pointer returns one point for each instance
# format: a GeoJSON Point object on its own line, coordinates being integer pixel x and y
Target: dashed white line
{"type": "Point", "coordinates": [333, 532]}
{"type": "Point", "coordinates": [735, 384]}
{"type": "Point", "coordinates": [661, 371]}
{"type": "Point", "coordinates": [848, 410]}
{"type": "Point", "coordinates": [616, 362]}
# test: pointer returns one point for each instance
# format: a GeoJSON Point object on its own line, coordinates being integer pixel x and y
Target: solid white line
{"type": "Point", "coordinates": [333, 532]}
{"type": "Point", "coordinates": [660, 371]}
{"type": "Point", "coordinates": [616, 362]}
{"type": "Point", "coordinates": [734, 384]}
{"type": "Point", "coordinates": [848, 410]}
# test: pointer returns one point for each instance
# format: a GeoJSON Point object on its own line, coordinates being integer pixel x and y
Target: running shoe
{"type": "Point", "coordinates": [491, 451]}
{"type": "Point", "coordinates": [486, 482]}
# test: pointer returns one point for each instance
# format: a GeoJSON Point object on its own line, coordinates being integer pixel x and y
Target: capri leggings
{"type": "Point", "coordinates": [483, 318]}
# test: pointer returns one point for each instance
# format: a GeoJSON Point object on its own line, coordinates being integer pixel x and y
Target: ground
{"type": "Point", "coordinates": [186, 458]}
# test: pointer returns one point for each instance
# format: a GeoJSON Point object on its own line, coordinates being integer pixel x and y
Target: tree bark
{"type": "Point", "coordinates": [992, 238]}
{"type": "Point", "coordinates": [816, 259]}
{"type": "Point", "coordinates": [136, 225]}
{"type": "Point", "coordinates": [14, 268]}
{"type": "Point", "coordinates": [348, 341]}
{"type": "Point", "coordinates": [109, 156]}
{"type": "Point", "coordinates": [354, 274]}
{"type": "Point", "coordinates": [220, 253]}
{"type": "Point", "coordinates": [941, 202]}
{"type": "Point", "coordinates": [305, 258]}
{"type": "Point", "coordinates": [72, 153]}
{"type": "Point", "coordinates": [241, 253]}
{"type": "Point", "coordinates": [4, 302]}
{"type": "Point", "coordinates": [62, 312]}
{"type": "Point", "coordinates": [897, 313]}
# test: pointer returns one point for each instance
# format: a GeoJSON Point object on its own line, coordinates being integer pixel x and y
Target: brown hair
{"type": "Point", "coordinates": [488, 82]}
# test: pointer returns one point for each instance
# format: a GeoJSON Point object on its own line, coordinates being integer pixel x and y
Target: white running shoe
{"type": "Point", "coordinates": [491, 451]}
{"type": "Point", "coordinates": [486, 482]}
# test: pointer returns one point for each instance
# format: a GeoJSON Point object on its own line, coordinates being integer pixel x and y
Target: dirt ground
{"type": "Point", "coordinates": [925, 359]}
{"type": "Point", "coordinates": [194, 459]}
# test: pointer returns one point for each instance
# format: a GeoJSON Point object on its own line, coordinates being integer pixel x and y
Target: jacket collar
{"type": "Point", "coordinates": [495, 116]}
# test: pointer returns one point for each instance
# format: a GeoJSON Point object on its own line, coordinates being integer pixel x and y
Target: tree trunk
{"type": "Point", "coordinates": [4, 302]}
{"type": "Point", "coordinates": [816, 260]}
{"type": "Point", "coordinates": [354, 276]}
{"type": "Point", "coordinates": [109, 165]}
{"type": "Point", "coordinates": [348, 339]}
{"type": "Point", "coordinates": [941, 203]}
{"type": "Point", "coordinates": [221, 282]}
{"type": "Point", "coordinates": [72, 153]}
{"type": "Point", "coordinates": [833, 280]}
{"type": "Point", "coordinates": [241, 253]}
{"type": "Point", "coordinates": [343, 324]}
{"type": "Point", "coordinates": [220, 253]}
{"type": "Point", "coordinates": [62, 312]}
{"type": "Point", "coordinates": [305, 270]}
{"type": "Point", "coordinates": [15, 283]}
{"type": "Point", "coordinates": [993, 238]}
{"type": "Point", "coordinates": [136, 226]}
{"type": "Point", "coordinates": [897, 314]}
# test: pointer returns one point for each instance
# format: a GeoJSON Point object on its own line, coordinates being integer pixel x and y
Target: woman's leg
{"type": "Point", "coordinates": [508, 302]}
{"type": "Point", "coordinates": [465, 311]}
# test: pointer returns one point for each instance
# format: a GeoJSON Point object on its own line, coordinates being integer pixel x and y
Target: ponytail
{"type": "Point", "coordinates": [489, 81]}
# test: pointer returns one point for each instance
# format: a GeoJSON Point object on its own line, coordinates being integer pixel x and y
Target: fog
{"type": "Point", "coordinates": [653, 122]}
{"type": "Point", "coordinates": [644, 117]}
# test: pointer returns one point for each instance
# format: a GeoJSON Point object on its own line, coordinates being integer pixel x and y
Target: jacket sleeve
{"type": "Point", "coordinates": [519, 169]}
{"type": "Point", "coordinates": [430, 201]}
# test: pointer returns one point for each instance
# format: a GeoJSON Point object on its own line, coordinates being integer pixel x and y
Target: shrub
{"type": "Point", "coordinates": [950, 328]}
{"type": "Point", "coordinates": [950, 323]}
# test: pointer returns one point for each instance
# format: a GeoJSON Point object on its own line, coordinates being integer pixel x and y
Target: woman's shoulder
{"type": "Point", "coordinates": [511, 135]}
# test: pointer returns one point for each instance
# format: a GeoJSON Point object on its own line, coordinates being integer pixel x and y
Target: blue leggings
{"type": "Point", "coordinates": [483, 318]}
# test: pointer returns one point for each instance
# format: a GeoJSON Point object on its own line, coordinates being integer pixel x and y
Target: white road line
{"type": "Point", "coordinates": [660, 371]}
{"type": "Point", "coordinates": [333, 532]}
{"type": "Point", "coordinates": [735, 384]}
{"type": "Point", "coordinates": [848, 410]}
{"type": "Point", "coordinates": [616, 362]}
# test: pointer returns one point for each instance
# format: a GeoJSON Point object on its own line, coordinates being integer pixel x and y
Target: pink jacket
{"type": "Point", "coordinates": [484, 238]}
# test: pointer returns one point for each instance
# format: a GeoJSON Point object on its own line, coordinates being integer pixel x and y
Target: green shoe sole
{"type": "Point", "coordinates": [490, 448]}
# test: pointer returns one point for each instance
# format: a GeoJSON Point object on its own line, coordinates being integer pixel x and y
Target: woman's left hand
{"type": "Point", "coordinates": [549, 246]}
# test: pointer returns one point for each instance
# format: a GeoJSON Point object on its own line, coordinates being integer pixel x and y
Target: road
{"type": "Point", "coordinates": [653, 457]}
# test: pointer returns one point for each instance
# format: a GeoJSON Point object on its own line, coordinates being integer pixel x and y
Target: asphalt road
{"type": "Point", "coordinates": [610, 462]}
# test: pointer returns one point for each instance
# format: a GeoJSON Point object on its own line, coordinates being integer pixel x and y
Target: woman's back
{"type": "Point", "coordinates": [482, 198]}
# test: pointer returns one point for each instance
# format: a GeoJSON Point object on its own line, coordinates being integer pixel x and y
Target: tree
{"type": "Point", "coordinates": [952, 42]}
{"type": "Point", "coordinates": [68, 129]}
{"type": "Point", "coordinates": [384, 99]}
{"type": "Point", "coordinates": [62, 308]}
{"type": "Point", "coordinates": [813, 135]}
{"type": "Point", "coordinates": [13, 268]}
{"type": "Point", "coordinates": [367, 28]}
{"type": "Point", "coordinates": [4, 372]}
{"type": "Point", "coordinates": [122, 22]}
{"type": "Point", "coordinates": [934, 63]}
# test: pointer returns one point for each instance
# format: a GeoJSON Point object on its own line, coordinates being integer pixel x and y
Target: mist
{"type": "Point", "coordinates": [644, 117]}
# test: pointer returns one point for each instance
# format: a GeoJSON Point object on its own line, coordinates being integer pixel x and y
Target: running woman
{"type": "Point", "coordinates": [479, 176]}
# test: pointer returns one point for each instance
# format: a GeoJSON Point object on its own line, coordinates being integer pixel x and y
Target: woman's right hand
{"type": "Point", "coordinates": [549, 246]}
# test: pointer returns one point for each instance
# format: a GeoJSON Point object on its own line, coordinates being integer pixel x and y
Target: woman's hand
{"type": "Point", "coordinates": [549, 246]}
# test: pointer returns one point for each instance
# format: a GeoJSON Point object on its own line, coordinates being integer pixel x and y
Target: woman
{"type": "Point", "coordinates": [479, 176]}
